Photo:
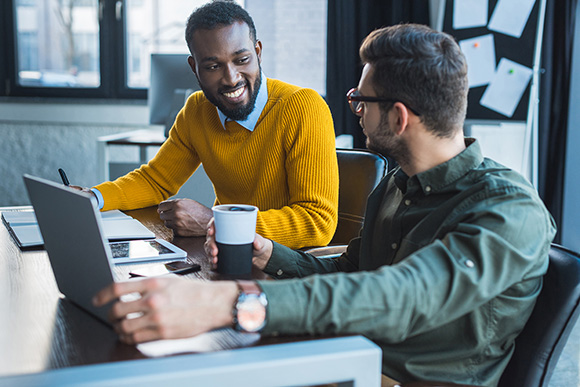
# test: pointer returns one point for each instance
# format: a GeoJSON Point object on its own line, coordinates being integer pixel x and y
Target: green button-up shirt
{"type": "Point", "coordinates": [443, 277]}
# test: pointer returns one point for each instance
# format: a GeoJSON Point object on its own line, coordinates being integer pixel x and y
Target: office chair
{"type": "Point", "coordinates": [359, 171]}
{"type": "Point", "coordinates": [540, 344]}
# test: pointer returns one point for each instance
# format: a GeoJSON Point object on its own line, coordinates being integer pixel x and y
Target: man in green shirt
{"type": "Point", "coordinates": [448, 264]}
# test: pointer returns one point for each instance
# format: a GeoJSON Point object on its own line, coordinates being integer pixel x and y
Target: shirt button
{"type": "Point", "coordinates": [428, 188]}
{"type": "Point", "coordinates": [279, 272]}
{"type": "Point", "coordinates": [408, 202]}
{"type": "Point", "coordinates": [469, 263]}
{"type": "Point", "coordinates": [394, 246]}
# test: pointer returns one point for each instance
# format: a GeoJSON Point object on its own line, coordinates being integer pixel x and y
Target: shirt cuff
{"type": "Point", "coordinates": [281, 264]}
{"type": "Point", "coordinates": [286, 309]}
{"type": "Point", "coordinates": [100, 200]}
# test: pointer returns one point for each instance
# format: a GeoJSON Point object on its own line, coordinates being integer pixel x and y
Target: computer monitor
{"type": "Point", "coordinates": [172, 81]}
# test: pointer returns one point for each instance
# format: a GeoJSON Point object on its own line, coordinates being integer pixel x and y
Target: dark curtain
{"type": "Point", "coordinates": [349, 22]}
{"type": "Point", "coordinates": [554, 100]}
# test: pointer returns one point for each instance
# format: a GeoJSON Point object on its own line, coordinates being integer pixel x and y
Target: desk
{"type": "Point", "coordinates": [46, 340]}
{"type": "Point", "coordinates": [142, 139]}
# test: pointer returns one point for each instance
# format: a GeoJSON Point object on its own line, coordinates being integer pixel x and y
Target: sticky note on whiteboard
{"type": "Point", "coordinates": [507, 87]}
{"type": "Point", "coordinates": [480, 55]}
{"type": "Point", "coordinates": [469, 13]}
{"type": "Point", "coordinates": [511, 16]}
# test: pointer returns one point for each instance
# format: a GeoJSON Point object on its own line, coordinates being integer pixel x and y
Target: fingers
{"type": "Point", "coordinates": [82, 189]}
{"type": "Point", "coordinates": [118, 289]}
{"type": "Point", "coordinates": [210, 245]}
{"type": "Point", "coordinates": [166, 206]}
{"type": "Point", "coordinates": [167, 214]}
{"type": "Point", "coordinates": [135, 321]}
{"type": "Point", "coordinates": [258, 243]}
{"type": "Point", "coordinates": [211, 227]}
{"type": "Point", "coordinates": [262, 251]}
{"type": "Point", "coordinates": [169, 308]}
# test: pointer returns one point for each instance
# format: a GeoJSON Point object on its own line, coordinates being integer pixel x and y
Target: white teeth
{"type": "Point", "coordinates": [235, 94]}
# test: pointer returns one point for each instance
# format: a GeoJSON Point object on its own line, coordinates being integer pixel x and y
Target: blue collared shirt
{"type": "Point", "coordinates": [252, 119]}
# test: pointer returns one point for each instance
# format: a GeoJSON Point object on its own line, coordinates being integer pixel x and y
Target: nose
{"type": "Point", "coordinates": [231, 75]}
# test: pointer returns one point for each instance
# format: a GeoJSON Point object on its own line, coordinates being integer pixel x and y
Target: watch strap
{"type": "Point", "coordinates": [248, 287]}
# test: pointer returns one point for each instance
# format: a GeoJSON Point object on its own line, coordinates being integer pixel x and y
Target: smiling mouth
{"type": "Point", "coordinates": [235, 93]}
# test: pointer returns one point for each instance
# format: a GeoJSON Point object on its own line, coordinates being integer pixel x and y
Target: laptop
{"type": "Point", "coordinates": [72, 230]}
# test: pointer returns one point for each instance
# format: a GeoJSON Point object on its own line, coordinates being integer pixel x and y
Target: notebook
{"type": "Point", "coordinates": [23, 227]}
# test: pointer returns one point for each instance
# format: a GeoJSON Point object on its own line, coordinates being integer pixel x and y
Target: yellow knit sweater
{"type": "Point", "coordinates": [286, 167]}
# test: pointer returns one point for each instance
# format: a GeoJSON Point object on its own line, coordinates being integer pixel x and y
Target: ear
{"type": "Point", "coordinates": [191, 62]}
{"type": "Point", "coordinates": [258, 48]}
{"type": "Point", "coordinates": [401, 117]}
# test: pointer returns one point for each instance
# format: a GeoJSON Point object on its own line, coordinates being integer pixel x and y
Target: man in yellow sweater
{"type": "Point", "coordinates": [268, 143]}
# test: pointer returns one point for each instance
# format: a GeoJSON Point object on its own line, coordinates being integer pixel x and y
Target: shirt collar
{"type": "Point", "coordinates": [252, 119]}
{"type": "Point", "coordinates": [443, 175]}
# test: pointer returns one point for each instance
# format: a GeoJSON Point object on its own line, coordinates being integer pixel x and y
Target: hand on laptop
{"type": "Point", "coordinates": [262, 248]}
{"type": "Point", "coordinates": [169, 308]}
{"type": "Point", "coordinates": [185, 217]}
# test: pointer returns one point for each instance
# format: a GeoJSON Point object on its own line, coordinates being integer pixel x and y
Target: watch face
{"type": "Point", "coordinates": [251, 312]}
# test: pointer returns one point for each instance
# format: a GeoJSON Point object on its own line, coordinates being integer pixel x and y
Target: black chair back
{"type": "Point", "coordinates": [359, 170]}
{"type": "Point", "coordinates": [540, 344]}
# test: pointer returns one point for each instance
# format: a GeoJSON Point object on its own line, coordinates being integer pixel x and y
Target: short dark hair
{"type": "Point", "coordinates": [421, 67]}
{"type": "Point", "coordinates": [218, 13]}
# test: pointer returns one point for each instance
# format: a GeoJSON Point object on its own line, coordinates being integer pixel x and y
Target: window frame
{"type": "Point", "coordinates": [112, 59]}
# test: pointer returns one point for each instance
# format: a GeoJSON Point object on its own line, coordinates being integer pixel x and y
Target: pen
{"type": "Point", "coordinates": [63, 177]}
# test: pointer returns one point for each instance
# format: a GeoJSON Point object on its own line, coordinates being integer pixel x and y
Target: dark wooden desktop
{"type": "Point", "coordinates": [45, 339]}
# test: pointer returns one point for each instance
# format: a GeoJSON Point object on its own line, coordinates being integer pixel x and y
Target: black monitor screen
{"type": "Point", "coordinates": [171, 76]}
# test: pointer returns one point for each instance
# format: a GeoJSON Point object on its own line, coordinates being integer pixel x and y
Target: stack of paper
{"type": "Point", "coordinates": [217, 340]}
{"type": "Point", "coordinates": [23, 227]}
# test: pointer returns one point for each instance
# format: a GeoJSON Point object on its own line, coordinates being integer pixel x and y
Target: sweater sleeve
{"type": "Point", "coordinates": [157, 180]}
{"type": "Point", "coordinates": [310, 218]}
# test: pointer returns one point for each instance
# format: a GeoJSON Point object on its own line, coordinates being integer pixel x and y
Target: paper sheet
{"type": "Point", "coordinates": [116, 226]}
{"type": "Point", "coordinates": [469, 13]}
{"type": "Point", "coordinates": [507, 87]}
{"type": "Point", "coordinates": [217, 340]}
{"type": "Point", "coordinates": [503, 143]}
{"type": "Point", "coordinates": [511, 16]}
{"type": "Point", "coordinates": [14, 218]}
{"type": "Point", "coordinates": [480, 55]}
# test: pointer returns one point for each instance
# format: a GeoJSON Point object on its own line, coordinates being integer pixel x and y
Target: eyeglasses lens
{"type": "Point", "coordinates": [355, 106]}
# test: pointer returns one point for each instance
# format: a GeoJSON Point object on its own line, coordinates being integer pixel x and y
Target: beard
{"type": "Point", "coordinates": [387, 143]}
{"type": "Point", "coordinates": [239, 113]}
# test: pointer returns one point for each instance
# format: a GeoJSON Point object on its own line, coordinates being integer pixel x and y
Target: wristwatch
{"type": "Point", "coordinates": [250, 309]}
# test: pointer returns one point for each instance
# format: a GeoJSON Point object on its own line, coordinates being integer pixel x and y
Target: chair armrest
{"type": "Point", "coordinates": [327, 251]}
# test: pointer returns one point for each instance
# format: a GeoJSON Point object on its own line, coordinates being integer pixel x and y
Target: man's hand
{"type": "Point", "coordinates": [169, 308]}
{"type": "Point", "coordinates": [262, 248]}
{"type": "Point", "coordinates": [185, 217]}
{"type": "Point", "coordinates": [83, 189]}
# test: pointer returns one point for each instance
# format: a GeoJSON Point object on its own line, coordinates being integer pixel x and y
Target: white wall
{"type": "Point", "coordinates": [38, 138]}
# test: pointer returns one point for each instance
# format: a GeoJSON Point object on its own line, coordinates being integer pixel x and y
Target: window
{"type": "Point", "coordinates": [57, 42]}
{"type": "Point", "coordinates": [101, 48]}
{"type": "Point", "coordinates": [153, 28]}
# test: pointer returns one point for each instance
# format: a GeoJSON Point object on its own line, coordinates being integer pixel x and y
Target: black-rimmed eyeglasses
{"type": "Point", "coordinates": [355, 99]}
